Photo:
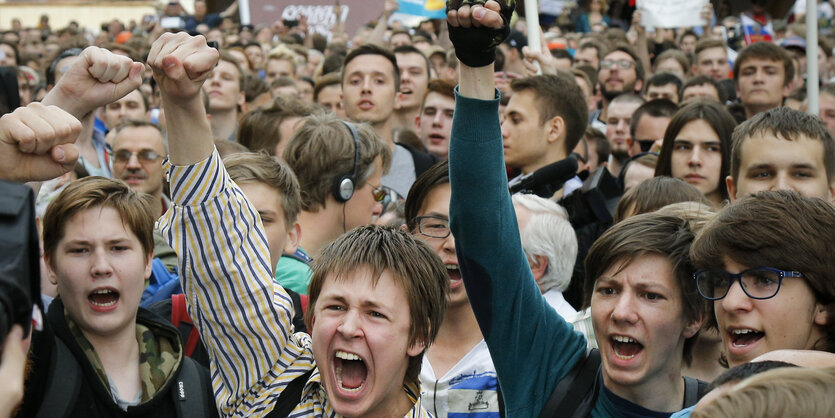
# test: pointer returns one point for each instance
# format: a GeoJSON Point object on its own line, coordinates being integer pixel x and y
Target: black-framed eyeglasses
{"type": "Point", "coordinates": [758, 283]}
{"type": "Point", "coordinates": [144, 156]}
{"type": "Point", "coordinates": [623, 64]}
{"type": "Point", "coordinates": [433, 226]}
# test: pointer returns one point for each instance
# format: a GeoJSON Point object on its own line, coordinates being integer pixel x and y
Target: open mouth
{"type": "Point", "coordinates": [454, 274]}
{"type": "Point", "coordinates": [103, 299]}
{"type": "Point", "coordinates": [745, 337]}
{"type": "Point", "coordinates": [625, 348]}
{"type": "Point", "coordinates": [350, 371]}
{"type": "Point", "coordinates": [436, 139]}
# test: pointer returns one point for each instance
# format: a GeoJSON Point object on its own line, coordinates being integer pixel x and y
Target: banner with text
{"type": "Point", "coordinates": [671, 13]}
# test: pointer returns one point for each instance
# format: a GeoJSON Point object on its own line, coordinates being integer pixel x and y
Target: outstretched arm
{"type": "Point", "coordinates": [531, 346]}
{"type": "Point", "coordinates": [243, 316]}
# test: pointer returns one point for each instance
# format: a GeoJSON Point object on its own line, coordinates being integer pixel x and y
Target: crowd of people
{"type": "Point", "coordinates": [422, 221]}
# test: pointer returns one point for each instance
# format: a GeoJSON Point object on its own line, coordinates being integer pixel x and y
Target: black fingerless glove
{"type": "Point", "coordinates": [476, 47]}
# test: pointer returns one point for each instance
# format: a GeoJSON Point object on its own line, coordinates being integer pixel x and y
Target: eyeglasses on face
{"type": "Point", "coordinates": [622, 64]}
{"type": "Point", "coordinates": [758, 283]}
{"type": "Point", "coordinates": [122, 156]}
{"type": "Point", "coordinates": [433, 226]}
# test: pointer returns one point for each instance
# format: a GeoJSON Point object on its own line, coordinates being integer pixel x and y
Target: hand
{"type": "Point", "coordinates": [477, 30]}
{"type": "Point", "coordinates": [181, 63]}
{"type": "Point", "coordinates": [546, 62]}
{"type": "Point", "coordinates": [37, 143]}
{"type": "Point", "coordinates": [390, 6]}
{"type": "Point", "coordinates": [97, 78]}
{"type": "Point", "coordinates": [11, 371]}
{"type": "Point", "coordinates": [636, 22]}
{"type": "Point", "coordinates": [706, 13]}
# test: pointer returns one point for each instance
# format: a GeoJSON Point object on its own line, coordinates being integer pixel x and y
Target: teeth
{"type": "Point", "coordinates": [102, 291]}
{"type": "Point", "coordinates": [622, 339]}
{"type": "Point", "coordinates": [451, 266]}
{"type": "Point", "coordinates": [346, 356]}
{"type": "Point", "coordinates": [742, 331]}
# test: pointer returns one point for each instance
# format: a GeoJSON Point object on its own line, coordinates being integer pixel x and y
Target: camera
{"type": "Point", "coordinates": [19, 257]}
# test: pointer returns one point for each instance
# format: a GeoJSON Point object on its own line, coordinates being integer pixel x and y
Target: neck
{"type": "Point", "coordinates": [459, 326]}
{"type": "Point", "coordinates": [553, 155]}
{"type": "Point", "coordinates": [613, 165]}
{"type": "Point", "coordinates": [405, 118]}
{"type": "Point", "coordinates": [664, 393]}
{"type": "Point", "coordinates": [716, 199]}
{"type": "Point", "coordinates": [751, 110]}
{"type": "Point", "coordinates": [705, 365]}
{"type": "Point", "coordinates": [383, 129]}
{"type": "Point", "coordinates": [224, 123]}
{"type": "Point", "coordinates": [156, 203]}
{"type": "Point", "coordinates": [320, 228]}
{"type": "Point", "coordinates": [603, 110]}
{"type": "Point", "coordinates": [119, 353]}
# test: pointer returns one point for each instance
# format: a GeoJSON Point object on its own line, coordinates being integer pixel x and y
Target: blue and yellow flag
{"type": "Point", "coordinates": [432, 9]}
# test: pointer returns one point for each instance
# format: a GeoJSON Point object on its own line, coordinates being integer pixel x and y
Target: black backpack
{"type": "Point", "coordinates": [576, 394]}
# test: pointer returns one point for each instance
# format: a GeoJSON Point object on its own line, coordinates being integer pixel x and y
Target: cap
{"type": "Point", "coordinates": [793, 42]}
{"type": "Point", "coordinates": [517, 40]}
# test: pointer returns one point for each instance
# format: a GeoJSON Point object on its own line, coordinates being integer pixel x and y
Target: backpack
{"type": "Point", "coordinates": [64, 384]}
{"type": "Point", "coordinates": [576, 394]}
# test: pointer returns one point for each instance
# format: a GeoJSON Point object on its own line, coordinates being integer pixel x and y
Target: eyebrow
{"type": "Point", "coordinates": [437, 214]}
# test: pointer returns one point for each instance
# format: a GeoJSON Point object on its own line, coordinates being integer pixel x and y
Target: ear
{"type": "Point", "coordinates": [639, 86]}
{"type": "Point", "coordinates": [556, 129]}
{"type": "Point", "coordinates": [242, 101]}
{"type": "Point", "coordinates": [729, 181]}
{"type": "Point", "coordinates": [788, 88]}
{"type": "Point", "coordinates": [821, 315]}
{"type": "Point", "coordinates": [149, 266]}
{"type": "Point", "coordinates": [832, 192]}
{"type": "Point", "coordinates": [398, 100]}
{"type": "Point", "coordinates": [692, 328]}
{"type": "Point", "coordinates": [416, 348]}
{"type": "Point", "coordinates": [417, 121]}
{"type": "Point", "coordinates": [50, 272]}
{"type": "Point", "coordinates": [294, 236]}
{"type": "Point", "coordinates": [539, 265]}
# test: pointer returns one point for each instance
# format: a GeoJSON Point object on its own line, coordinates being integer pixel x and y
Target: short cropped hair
{"type": "Point", "coordinates": [98, 192]}
{"type": "Point", "coordinates": [645, 234]}
{"type": "Point", "coordinates": [708, 43]}
{"type": "Point", "coordinates": [676, 54]}
{"type": "Point", "coordinates": [719, 120]}
{"type": "Point", "coordinates": [658, 108]}
{"type": "Point", "coordinates": [325, 81]}
{"type": "Point", "coordinates": [259, 129]}
{"type": "Point", "coordinates": [276, 174]}
{"type": "Point", "coordinates": [409, 49]}
{"type": "Point", "coordinates": [415, 268]}
{"type": "Point", "coordinates": [786, 124]}
{"type": "Point", "coordinates": [779, 229]}
{"type": "Point", "coordinates": [765, 51]}
{"type": "Point", "coordinates": [442, 86]}
{"type": "Point", "coordinates": [549, 233]}
{"type": "Point", "coordinates": [371, 49]}
{"type": "Point", "coordinates": [739, 373]}
{"type": "Point", "coordinates": [640, 72]}
{"type": "Point", "coordinates": [558, 95]}
{"type": "Point", "coordinates": [782, 392]}
{"type": "Point", "coordinates": [323, 149]}
{"type": "Point", "coordinates": [662, 79]}
{"type": "Point", "coordinates": [702, 80]}
{"type": "Point", "coordinates": [655, 193]}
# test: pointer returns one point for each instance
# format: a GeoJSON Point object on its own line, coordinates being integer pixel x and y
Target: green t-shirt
{"type": "Point", "coordinates": [293, 273]}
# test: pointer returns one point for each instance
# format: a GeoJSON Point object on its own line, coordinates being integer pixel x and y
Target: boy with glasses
{"type": "Point", "coordinates": [766, 264]}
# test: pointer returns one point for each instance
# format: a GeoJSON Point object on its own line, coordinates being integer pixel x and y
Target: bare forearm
{"type": "Point", "coordinates": [476, 83]}
{"type": "Point", "coordinates": [189, 133]}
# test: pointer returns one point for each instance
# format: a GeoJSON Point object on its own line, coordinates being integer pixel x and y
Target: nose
{"type": "Point", "coordinates": [782, 182]}
{"type": "Point", "coordinates": [624, 309]}
{"type": "Point", "coordinates": [736, 299]}
{"type": "Point", "coordinates": [350, 325]}
{"type": "Point", "coordinates": [133, 162]}
{"type": "Point", "coordinates": [695, 157]}
{"type": "Point", "coordinates": [505, 133]}
{"type": "Point", "coordinates": [449, 244]}
{"type": "Point", "coordinates": [366, 84]}
{"type": "Point", "coordinates": [101, 266]}
{"type": "Point", "coordinates": [623, 125]}
{"type": "Point", "coordinates": [438, 118]}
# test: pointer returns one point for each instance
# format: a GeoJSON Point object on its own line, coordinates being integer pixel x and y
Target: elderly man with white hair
{"type": "Point", "coordinates": [550, 245]}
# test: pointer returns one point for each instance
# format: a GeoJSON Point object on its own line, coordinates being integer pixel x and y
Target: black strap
{"type": "Point", "coordinates": [190, 394]}
{"type": "Point", "coordinates": [694, 389]}
{"type": "Point", "coordinates": [63, 385]}
{"type": "Point", "coordinates": [290, 397]}
{"type": "Point", "coordinates": [423, 161]}
{"type": "Point", "coordinates": [576, 394]}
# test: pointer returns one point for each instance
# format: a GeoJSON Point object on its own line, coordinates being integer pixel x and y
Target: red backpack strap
{"type": "Point", "coordinates": [178, 306]}
{"type": "Point", "coordinates": [193, 339]}
{"type": "Point", "coordinates": [304, 299]}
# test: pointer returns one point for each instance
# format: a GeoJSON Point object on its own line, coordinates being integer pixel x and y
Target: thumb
{"type": "Point", "coordinates": [173, 68]}
{"type": "Point", "coordinates": [65, 154]}
{"type": "Point", "coordinates": [132, 82]}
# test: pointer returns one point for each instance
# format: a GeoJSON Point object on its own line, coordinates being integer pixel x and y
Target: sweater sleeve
{"type": "Point", "coordinates": [531, 345]}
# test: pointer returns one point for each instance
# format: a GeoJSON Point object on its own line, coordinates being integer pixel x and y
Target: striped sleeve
{"type": "Point", "coordinates": [243, 317]}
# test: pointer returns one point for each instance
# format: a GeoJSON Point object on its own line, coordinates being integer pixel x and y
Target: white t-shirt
{"type": "Point", "coordinates": [555, 298]}
{"type": "Point", "coordinates": [468, 389]}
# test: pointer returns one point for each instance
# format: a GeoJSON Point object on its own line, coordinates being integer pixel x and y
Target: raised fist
{"type": "Point", "coordinates": [476, 28]}
{"type": "Point", "coordinates": [181, 63]}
